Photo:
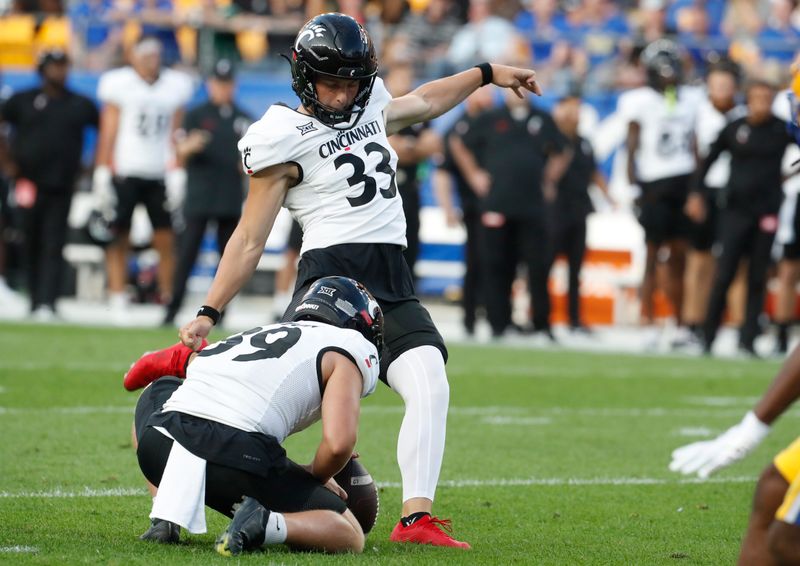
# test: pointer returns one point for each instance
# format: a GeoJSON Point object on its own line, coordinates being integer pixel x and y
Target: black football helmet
{"type": "Point", "coordinates": [337, 46]}
{"type": "Point", "coordinates": [345, 303]}
{"type": "Point", "coordinates": [662, 61]}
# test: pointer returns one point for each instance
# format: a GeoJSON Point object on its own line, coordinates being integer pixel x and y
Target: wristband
{"type": "Point", "coordinates": [210, 312]}
{"type": "Point", "coordinates": [486, 73]}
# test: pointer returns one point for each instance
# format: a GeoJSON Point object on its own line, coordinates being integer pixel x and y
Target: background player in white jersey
{"type": "Point", "coordinates": [142, 108]}
{"type": "Point", "coordinates": [713, 112]}
{"type": "Point", "coordinates": [661, 120]}
{"type": "Point", "coordinates": [215, 438]}
{"type": "Point", "coordinates": [329, 162]}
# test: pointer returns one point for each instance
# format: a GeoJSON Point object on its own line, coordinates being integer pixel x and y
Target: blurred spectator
{"type": "Point", "coordinates": [541, 23]}
{"type": "Point", "coordinates": [425, 36]}
{"type": "Point", "coordinates": [597, 26]}
{"type": "Point", "coordinates": [694, 17]}
{"type": "Point", "coordinates": [713, 113]}
{"type": "Point", "coordinates": [206, 145]}
{"type": "Point", "coordinates": [48, 125]}
{"type": "Point", "coordinates": [660, 118]}
{"type": "Point", "coordinates": [215, 34]}
{"type": "Point", "coordinates": [652, 20]}
{"type": "Point", "coordinates": [414, 145]}
{"type": "Point", "coordinates": [97, 39]}
{"type": "Point", "coordinates": [572, 204]}
{"type": "Point", "coordinates": [157, 19]}
{"type": "Point", "coordinates": [485, 37]}
{"type": "Point", "coordinates": [743, 18]}
{"type": "Point", "coordinates": [748, 218]}
{"type": "Point", "coordinates": [779, 38]}
{"type": "Point", "coordinates": [279, 19]}
{"type": "Point", "coordinates": [515, 147]}
{"type": "Point", "coordinates": [142, 107]}
{"type": "Point", "coordinates": [448, 177]}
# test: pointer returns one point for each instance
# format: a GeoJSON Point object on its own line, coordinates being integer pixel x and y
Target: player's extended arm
{"type": "Point", "coordinates": [341, 402]}
{"type": "Point", "coordinates": [708, 456]}
{"type": "Point", "coordinates": [434, 98]}
{"type": "Point", "coordinates": [246, 245]}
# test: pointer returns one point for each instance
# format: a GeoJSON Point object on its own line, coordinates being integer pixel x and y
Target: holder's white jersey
{"type": "Point", "coordinates": [666, 130]}
{"type": "Point", "coordinates": [347, 193]}
{"type": "Point", "coordinates": [142, 146]}
{"type": "Point", "coordinates": [710, 122]}
{"type": "Point", "coordinates": [267, 379]}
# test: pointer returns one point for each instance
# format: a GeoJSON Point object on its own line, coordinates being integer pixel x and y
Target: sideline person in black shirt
{"type": "Point", "coordinates": [572, 204]}
{"type": "Point", "coordinates": [47, 124]}
{"type": "Point", "coordinates": [448, 176]}
{"type": "Point", "coordinates": [749, 212]}
{"type": "Point", "coordinates": [513, 144]}
{"type": "Point", "coordinates": [214, 186]}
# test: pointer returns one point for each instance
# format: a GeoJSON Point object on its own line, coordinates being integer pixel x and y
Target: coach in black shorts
{"type": "Point", "coordinates": [748, 218]}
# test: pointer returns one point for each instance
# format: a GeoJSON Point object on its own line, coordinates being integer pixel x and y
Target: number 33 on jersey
{"type": "Point", "coordinates": [347, 191]}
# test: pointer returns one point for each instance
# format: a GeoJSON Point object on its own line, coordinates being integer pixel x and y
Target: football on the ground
{"type": "Point", "coordinates": [362, 493]}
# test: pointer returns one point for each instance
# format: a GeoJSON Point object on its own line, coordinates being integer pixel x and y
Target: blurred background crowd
{"type": "Point", "coordinates": [227, 58]}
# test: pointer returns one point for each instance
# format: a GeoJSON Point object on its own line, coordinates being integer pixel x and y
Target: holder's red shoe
{"type": "Point", "coordinates": [427, 530]}
{"type": "Point", "coordinates": [152, 365]}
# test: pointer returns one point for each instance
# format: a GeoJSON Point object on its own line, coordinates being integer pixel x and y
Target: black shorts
{"type": "Point", "coordinates": [132, 191]}
{"type": "Point", "coordinates": [279, 484]}
{"type": "Point", "coordinates": [295, 241]}
{"type": "Point", "coordinates": [791, 251]}
{"type": "Point", "coordinates": [661, 210]}
{"type": "Point", "coordinates": [703, 234]}
{"type": "Point", "coordinates": [382, 268]}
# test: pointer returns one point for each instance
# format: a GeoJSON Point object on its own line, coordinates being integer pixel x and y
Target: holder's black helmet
{"type": "Point", "coordinates": [337, 46]}
{"type": "Point", "coordinates": [662, 61]}
{"type": "Point", "coordinates": [345, 303]}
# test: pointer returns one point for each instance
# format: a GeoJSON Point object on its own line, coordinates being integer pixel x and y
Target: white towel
{"type": "Point", "coordinates": [181, 495]}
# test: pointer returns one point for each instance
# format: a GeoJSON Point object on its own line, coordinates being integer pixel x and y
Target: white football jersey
{"type": "Point", "coordinates": [142, 146]}
{"type": "Point", "coordinates": [348, 193]}
{"type": "Point", "coordinates": [667, 127]}
{"type": "Point", "coordinates": [267, 379]}
{"type": "Point", "coordinates": [710, 122]}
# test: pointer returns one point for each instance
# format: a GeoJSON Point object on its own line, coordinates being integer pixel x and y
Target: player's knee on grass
{"type": "Point", "coordinates": [357, 537]}
{"type": "Point", "coordinates": [784, 543]}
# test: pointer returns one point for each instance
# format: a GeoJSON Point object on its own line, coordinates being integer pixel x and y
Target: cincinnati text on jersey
{"type": "Point", "coordinates": [345, 139]}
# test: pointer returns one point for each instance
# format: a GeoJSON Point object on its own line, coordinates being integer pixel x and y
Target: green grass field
{"type": "Point", "coordinates": [553, 457]}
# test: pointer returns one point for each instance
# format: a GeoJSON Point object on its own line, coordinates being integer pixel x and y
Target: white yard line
{"type": "Point", "coordinates": [18, 549]}
{"type": "Point", "coordinates": [696, 431]}
{"type": "Point", "coordinates": [453, 484]}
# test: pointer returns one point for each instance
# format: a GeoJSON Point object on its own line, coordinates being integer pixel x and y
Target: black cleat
{"type": "Point", "coordinates": [247, 529]}
{"type": "Point", "coordinates": [162, 531]}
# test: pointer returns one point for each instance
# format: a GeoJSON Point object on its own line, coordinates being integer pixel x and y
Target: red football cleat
{"type": "Point", "coordinates": [427, 530]}
{"type": "Point", "coordinates": [152, 365]}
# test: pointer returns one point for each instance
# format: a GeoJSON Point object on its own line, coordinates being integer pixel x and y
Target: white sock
{"type": "Point", "coordinates": [419, 377]}
{"type": "Point", "coordinates": [276, 529]}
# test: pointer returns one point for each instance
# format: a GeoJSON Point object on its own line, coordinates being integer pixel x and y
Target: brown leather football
{"type": "Point", "coordinates": [362, 493]}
